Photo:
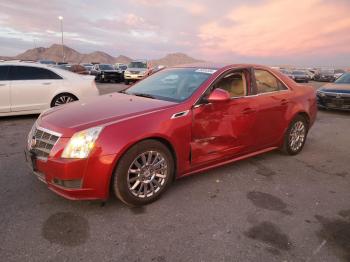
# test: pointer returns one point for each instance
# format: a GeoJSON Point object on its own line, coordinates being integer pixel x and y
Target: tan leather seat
{"type": "Point", "coordinates": [238, 85]}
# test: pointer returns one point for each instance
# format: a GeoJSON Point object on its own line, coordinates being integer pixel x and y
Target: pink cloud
{"type": "Point", "coordinates": [279, 28]}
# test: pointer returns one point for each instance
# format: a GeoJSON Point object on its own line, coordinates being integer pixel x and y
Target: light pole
{"type": "Point", "coordinates": [61, 20]}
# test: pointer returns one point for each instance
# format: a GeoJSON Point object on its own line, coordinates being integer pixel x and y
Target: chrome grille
{"type": "Point", "coordinates": [44, 142]}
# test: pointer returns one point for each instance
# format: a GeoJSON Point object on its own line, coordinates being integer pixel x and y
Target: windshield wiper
{"type": "Point", "coordinates": [143, 95]}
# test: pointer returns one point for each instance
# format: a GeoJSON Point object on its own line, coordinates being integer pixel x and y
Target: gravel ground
{"type": "Point", "coordinates": [268, 208]}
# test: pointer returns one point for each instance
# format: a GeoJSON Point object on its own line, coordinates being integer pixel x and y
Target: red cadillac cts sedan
{"type": "Point", "coordinates": [174, 123]}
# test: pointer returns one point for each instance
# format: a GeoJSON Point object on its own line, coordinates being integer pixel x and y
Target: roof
{"type": "Point", "coordinates": [24, 63]}
{"type": "Point", "coordinates": [217, 66]}
{"type": "Point", "coordinates": [61, 72]}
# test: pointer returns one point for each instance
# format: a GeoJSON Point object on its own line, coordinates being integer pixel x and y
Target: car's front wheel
{"type": "Point", "coordinates": [62, 99]}
{"type": "Point", "coordinates": [143, 173]}
{"type": "Point", "coordinates": [295, 136]}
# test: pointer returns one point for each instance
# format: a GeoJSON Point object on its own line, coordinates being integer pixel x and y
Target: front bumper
{"type": "Point", "coordinates": [326, 78]}
{"type": "Point", "coordinates": [75, 179]}
{"type": "Point", "coordinates": [109, 77]}
{"type": "Point", "coordinates": [333, 101]}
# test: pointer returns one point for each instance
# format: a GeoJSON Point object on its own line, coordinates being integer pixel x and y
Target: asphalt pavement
{"type": "Point", "coordinates": [271, 207]}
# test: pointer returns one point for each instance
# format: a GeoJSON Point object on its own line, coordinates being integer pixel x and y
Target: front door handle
{"type": "Point", "coordinates": [2, 84]}
{"type": "Point", "coordinates": [47, 83]}
{"type": "Point", "coordinates": [247, 111]}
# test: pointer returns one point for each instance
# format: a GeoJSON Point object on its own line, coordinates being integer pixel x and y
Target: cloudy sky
{"type": "Point", "coordinates": [308, 32]}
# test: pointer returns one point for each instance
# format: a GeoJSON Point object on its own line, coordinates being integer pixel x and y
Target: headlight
{"type": "Point", "coordinates": [81, 143]}
{"type": "Point", "coordinates": [320, 93]}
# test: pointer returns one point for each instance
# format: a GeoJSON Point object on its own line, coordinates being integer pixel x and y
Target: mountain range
{"type": "Point", "coordinates": [54, 53]}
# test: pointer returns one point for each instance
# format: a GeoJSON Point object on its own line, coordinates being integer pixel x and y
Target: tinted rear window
{"type": "Point", "coordinates": [31, 73]}
{"type": "Point", "coordinates": [4, 73]}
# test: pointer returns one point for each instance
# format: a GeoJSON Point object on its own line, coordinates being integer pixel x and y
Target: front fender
{"type": "Point", "coordinates": [117, 138]}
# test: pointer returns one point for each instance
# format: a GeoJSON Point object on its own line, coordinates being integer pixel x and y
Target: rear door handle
{"type": "Point", "coordinates": [47, 83]}
{"type": "Point", "coordinates": [284, 102]}
{"type": "Point", "coordinates": [2, 84]}
{"type": "Point", "coordinates": [247, 111]}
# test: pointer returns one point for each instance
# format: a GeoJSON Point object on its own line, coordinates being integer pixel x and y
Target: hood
{"type": "Point", "coordinates": [336, 88]}
{"type": "Point", "coordinates": [102, 110]}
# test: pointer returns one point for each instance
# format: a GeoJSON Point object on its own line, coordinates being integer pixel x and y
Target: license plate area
{"type": "Point", "coordinates": [338, 102]}
{"type": "Point", "coordinates": [31, 160]}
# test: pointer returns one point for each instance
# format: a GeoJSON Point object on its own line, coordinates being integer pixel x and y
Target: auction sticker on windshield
{"type": "Point", "coordinates": [206, 71]}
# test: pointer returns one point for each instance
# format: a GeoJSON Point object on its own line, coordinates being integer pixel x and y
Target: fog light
{"type": "Point", "coordinates": [73, 183]}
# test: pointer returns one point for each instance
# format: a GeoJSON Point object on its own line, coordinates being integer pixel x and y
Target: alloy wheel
{"type": "Point", "coordinates": [147, 174]}
{"type": "Point", "coordinates": [297, 136]}
{"type": "Point", "coordinates": [63, 99]}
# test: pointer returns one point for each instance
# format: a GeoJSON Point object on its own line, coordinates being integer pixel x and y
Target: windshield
{"type": "Point", "coordinates": [106, 67]}
{"type": "Point", "coordinates": [298, 73]}
{"type": "Point", "coordinates": [176, 84]}
{"type": "Point", "coordinates": [137, 65]}
{"type": "Point", "coordinates": [344, 79]}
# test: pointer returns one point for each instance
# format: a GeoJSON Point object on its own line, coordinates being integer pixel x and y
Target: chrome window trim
{"type": "Point", "coordinates": [196, 105]}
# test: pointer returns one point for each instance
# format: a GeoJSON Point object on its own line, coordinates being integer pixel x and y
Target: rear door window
{"type": "Point", "coordinates": [31, 73]}
{"type": "Point", "coordinates": [266, 82]}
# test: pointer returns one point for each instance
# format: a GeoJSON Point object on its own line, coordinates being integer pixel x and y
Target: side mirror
{"type": "Point", "coordinates": [219, 95]}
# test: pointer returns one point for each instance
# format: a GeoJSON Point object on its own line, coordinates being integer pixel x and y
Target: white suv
{"type": "Point", "coordinates": [30, 88]}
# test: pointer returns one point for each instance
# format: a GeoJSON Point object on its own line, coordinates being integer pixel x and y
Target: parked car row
{"type": "Point", "coordinates": [305, 75]}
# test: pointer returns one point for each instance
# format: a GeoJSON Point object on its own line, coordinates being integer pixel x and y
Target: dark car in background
{"type": "Point", "coordinates": [106, 73]}
{"type": "Point", "coordinates": [335, 95]}
{"type": "Point", "coordinates": [300, 76]}
{"type": "Point", "coordinates": [325, 75]}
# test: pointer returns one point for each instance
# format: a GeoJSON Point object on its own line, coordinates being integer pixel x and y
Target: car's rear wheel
{"type": "Point", "coordinates": [143, 173]}
{"type": "Point", "coordinates": [126, 82]}
{"type": "Point", "coordinates": [295, 136]}
{"type": "Point", "coordinates": [62, 99]}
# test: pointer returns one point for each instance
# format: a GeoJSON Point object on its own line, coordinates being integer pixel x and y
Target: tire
{"type": "Point", "coordinates": [126, 82]}
{"type": "Point", "coordinates": [298, 127]}
{"type": "Point", "coordinates": [62, 99]}
{"type": "Point", "coordinates": [133, 183]}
